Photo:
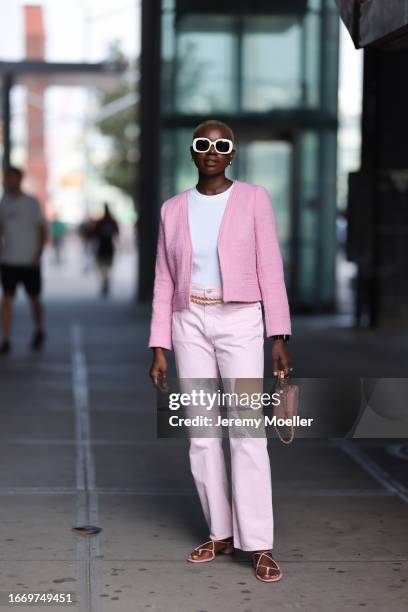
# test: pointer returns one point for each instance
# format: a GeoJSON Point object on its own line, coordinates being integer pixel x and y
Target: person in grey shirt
{"type": "Point", "coordinates": [23, 235]}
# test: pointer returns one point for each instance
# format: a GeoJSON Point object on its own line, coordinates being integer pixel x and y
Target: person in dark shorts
{"type": "Point", "coordinates": [105, 231]}
{"type": "Point", "coordinates": [22, 238]}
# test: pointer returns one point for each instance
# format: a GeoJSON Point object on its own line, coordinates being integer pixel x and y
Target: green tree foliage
{"type": "Point", "coordinates": [119, 121]}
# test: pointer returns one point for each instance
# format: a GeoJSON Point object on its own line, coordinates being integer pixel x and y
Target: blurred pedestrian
{"type": "Point", "coordinates": [58, 229]}
{"type": "Point", "coordinates": [22, 238]}
{"type": "Point", "coordinates": [105, 231]}
{"type": "Point", "coordinates": [86, 232]}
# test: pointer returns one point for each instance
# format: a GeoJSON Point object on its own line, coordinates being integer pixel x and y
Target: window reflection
{"type": "Point", "coordinates": [246, 63]}
{"type": "Point", "coordinates": [271, 63]}
{"type": "Point", "coordinates": [205, 78]}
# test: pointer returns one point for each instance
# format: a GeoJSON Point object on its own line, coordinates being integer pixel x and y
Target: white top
{"type": "Point", "coordinates": [20, 218]}
{"type": "Point", "coordinates": [205, 217]}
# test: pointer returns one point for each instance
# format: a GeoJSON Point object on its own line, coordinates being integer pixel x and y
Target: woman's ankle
{"type": "Point", "coordinates": [221, 539]}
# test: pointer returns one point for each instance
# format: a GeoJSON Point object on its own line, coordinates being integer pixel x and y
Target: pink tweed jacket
{"type": "Point", "coordinates": [249, 254]}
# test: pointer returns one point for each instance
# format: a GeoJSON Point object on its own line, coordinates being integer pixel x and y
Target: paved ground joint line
{"type": "Point", "coordinates": [87, 499]}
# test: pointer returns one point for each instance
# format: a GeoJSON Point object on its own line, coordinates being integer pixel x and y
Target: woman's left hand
{"type": "Point", "coordinates": [281, 361]}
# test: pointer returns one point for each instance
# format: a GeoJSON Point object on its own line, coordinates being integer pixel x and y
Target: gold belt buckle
{"type": "Point", "coordinates": [199, 299]}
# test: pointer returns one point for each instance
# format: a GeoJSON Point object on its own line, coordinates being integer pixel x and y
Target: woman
{"type": "Point", "coordinates": [218, 257]}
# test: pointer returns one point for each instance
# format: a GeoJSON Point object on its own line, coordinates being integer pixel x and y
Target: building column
{"type": "Point", "coordinates": [149, 183]}
{"type": "Point", "coordinates": [36, 175]}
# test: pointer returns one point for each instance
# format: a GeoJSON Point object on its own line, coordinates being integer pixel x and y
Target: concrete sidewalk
{"type": "Point", "coordinates": [79, 445]}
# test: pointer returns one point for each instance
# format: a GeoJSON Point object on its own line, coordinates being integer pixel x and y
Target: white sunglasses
{"type": "Point", "coordinates": [221, 145]}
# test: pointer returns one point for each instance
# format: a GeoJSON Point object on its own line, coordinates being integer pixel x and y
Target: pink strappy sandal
{"type": "Point", "coordinates": [227, 550]}
{"type": "Point", "coordinates": [275, 568]}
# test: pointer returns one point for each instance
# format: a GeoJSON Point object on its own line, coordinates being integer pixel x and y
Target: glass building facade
{"type": "Point", "coordinates": [269, 69]}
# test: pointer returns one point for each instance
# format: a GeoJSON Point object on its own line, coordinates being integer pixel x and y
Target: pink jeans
{"type": "Point", "coordinates": [227, 340]}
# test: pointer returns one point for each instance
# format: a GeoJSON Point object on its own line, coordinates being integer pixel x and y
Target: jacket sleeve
{"type": "Point", "coordinates": [270, 267]}
{"type": "Point", "coordinates": [161, 320]}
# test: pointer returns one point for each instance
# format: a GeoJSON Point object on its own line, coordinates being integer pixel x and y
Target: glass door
{"type": "Point", "coordinates": [269, 163]}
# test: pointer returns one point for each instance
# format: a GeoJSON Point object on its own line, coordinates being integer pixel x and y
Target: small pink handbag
{"type": "Point", "coordinates": [286, 409]}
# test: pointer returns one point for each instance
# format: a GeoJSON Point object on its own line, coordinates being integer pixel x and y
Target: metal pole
{"type": "Point", "coordinates": [321, 160]}
{"type": "Point", "coordinates": [149, 183]}
{"type": "Point", "coordinates": [295, 219]}
{"type": "Point", "coordinates": [6, 114]}
{"type": "Point", "coordinates": [239, 86]}
{"type": "Point", "coordinates": [371, 162]}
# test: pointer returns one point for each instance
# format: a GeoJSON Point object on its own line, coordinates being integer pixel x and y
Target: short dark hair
{"type": "Point", "coordinates": [215, 122]}
{"type": "Point", "coordinates": [15, 170]}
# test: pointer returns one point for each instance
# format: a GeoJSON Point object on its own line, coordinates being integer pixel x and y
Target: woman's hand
{"type": "Point", "coordinates": [280, 358]}
{"type": "Point", "coordinates": [158, 371]}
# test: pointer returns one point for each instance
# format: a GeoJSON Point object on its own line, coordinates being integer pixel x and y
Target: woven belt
{"type": "Point", "coordinates": [199, 299]}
